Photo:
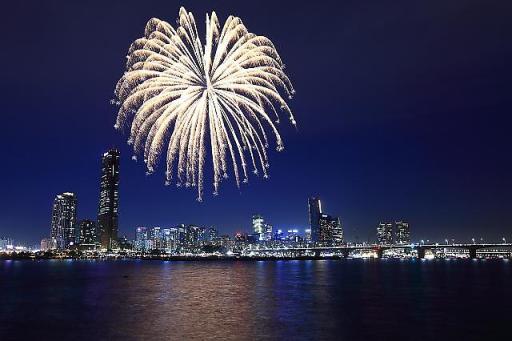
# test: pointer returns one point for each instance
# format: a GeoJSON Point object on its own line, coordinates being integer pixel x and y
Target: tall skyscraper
{"type": "Point", "coordinates": [64, 232]}
{"type": "Point", "coordinates": [402, 233]}
{"type": "Point", "coordinates": [88, 234]}
{"type": "Point", "coordinates": [109, 199]}
{"type": "Point", "coordinates": [384, 234]}
{"type": "Point", "coordinates": [315, 209]}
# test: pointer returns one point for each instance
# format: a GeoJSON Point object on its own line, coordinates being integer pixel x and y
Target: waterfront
{"type": "Point", "coordinates": [312, 299]}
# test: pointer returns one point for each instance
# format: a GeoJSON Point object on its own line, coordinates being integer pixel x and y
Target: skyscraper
{"type": "Point", "coordinates": [109, 199]}
{"type": "Point", "coordinates": [315, 209]}
{"type": "Point", "coordinates": [384, 234]}
{"type": "Point", "coordinates": [64, 233]}
{"type": "Point", "coordinates": [402, 233]}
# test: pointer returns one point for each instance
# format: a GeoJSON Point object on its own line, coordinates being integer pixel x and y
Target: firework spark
{"type": "Point", "coordinates": [189, 97]}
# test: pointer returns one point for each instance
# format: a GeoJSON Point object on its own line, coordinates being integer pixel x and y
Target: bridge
{"type": "Point", "coordinates": [379, 249]}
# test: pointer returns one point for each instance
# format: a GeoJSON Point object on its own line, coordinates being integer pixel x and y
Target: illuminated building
{"type": "Point", "coordinates": [258, 226]}
{"type": "Point", "coordinates": [170, 239]}
{"type": "Point", "coordinates": [241, 237]}
{"type": "Point", "coordinates": [292, 236]}
{"type": "Point", "coordinates": [4, 243]}
{"type": "Point", "coordinates": [88, 234]}
{"type": "Point", "coordinates": [268, 232]}
{"type": "Point", "coordinates": [211, 234]}
{"type": "Point", "coordinates": [307, 235]}
{"type": "Point", "coordinates": [46, 244]}
{"type": "Point", "coordinates": [141, 237]}
{"type": "Point", "coordinates": [279, 235]}
{"type": "Point", "coordinates": [315, 209]}
{"type": "Point", "coordinates": [194, 237]}
{"type": "Point", "coordinates": [331, 231]}
{"type": "Point", "coordinates": [64, 231]}
{"type": "Point", "coordinates": [155, 236]}
{"type": "Point", "coordinates": [109, 199]}
{"type": "Point", "coordinates": [402, 233]}
{"type": "Point", "coordinates": [384, 234]}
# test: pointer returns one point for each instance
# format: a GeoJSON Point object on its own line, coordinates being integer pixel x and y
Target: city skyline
{"type": "Point", "coordinates": [419, 133]}
{"type": "Point", "coordinates": [67, 227]}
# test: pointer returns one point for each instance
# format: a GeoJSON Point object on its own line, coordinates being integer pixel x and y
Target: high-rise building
{"type": "Point", "coordinates": [64, 231]}
{"type": "Point", "coordinates": [331, 231]}
{"type": "Point", "coordinates": [109, 199]}
{"type": "Point", "coordinates": [324, 228]}
{"type": "Point", "coordinates": [170, 239]}
{"type": "Point", "coordinates": [402, 233]}
{"type": "Point", "coordinates": [384, 234]}
{"type": "Point", "coordinates": [258, 226]}
{"type": "Point", "coordinates": [88, 234]}
{"type": "Point", "coordinates": [155, 235]}
{"type": "Point", "coordinates": [195, 236]}
{"type": "Point", "coordinates": [315, 209]}
{"type": "Point", "coordinates": [141, 237]}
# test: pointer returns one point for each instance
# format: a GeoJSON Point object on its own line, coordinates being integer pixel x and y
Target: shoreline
{"type": "Point", "coordinates": [234, 259]}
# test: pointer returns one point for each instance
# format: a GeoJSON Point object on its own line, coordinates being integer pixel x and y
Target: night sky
{"type": "Point", "coordinates": [403, 111]}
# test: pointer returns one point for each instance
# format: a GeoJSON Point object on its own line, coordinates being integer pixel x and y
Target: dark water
{"type": "Point", "coordinates": [288, 300]}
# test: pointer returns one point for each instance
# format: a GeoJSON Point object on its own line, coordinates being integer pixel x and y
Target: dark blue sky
{"type": "Point", "coordinates": [403, 109]}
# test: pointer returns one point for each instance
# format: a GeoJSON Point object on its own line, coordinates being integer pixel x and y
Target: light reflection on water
{"type": "Point", "coordinates": [345, 299]}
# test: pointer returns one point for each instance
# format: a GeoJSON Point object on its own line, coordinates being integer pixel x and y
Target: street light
{"type": "Point", "coordinates": [504, 240]}
{"type": "Point", "coordinates": [473, 239]}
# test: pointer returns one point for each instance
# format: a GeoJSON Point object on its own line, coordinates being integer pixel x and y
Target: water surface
{"type": "Point", "coordinates": [244, 300]}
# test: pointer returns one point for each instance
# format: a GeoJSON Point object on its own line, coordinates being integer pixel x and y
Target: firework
{"type": "Point", "coordinates": [180, 95]}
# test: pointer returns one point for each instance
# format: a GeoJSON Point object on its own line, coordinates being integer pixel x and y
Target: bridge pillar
{"type": "Point", "coordinates": [472, 252]}
{"type": "Point", "coordinates": [317, 253]}
{"type": "Point", "coordinates": [421, 252]}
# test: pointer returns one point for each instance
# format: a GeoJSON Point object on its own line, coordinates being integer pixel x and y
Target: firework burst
{"type": "Point", "coordinates": [187, 97]}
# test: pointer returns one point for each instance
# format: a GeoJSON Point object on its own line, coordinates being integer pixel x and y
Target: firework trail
{"type": "Point", "coordinates": [188, 97]}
